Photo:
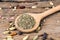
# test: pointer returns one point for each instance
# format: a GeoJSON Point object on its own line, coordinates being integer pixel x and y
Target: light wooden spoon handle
{"type": "Point", "coordinates": [51, 11]}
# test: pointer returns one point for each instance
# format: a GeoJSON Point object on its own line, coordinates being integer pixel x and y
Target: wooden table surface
{"type": "Point", "coordinates": [50, 25]}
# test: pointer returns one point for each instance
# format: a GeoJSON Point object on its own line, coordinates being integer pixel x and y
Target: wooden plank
{"type": "Point", "coordinates": [50, 25]}
{"type": "Point", "coordinates": [8, 4]}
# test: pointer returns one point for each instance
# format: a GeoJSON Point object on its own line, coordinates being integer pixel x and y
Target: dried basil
{"type": "Point", "coordinates": [26, 21]}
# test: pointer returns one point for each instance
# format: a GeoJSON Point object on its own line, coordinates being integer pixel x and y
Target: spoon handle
{"type": "Point", "coordinates": [51, 11]}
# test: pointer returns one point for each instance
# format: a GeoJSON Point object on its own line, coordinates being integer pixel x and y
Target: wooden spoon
{"type": "Point", "coordinates": [37, 18]}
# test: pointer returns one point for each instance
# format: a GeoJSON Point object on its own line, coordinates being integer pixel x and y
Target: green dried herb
{"type": "Point", "coordinates": [26, 21]}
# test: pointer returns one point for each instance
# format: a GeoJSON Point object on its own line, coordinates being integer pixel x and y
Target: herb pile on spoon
{"type": "Point", "coordinates": [26, 21]}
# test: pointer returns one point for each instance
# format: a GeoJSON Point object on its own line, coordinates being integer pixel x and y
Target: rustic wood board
{"type": "Point", "coordinates": [50, 26]}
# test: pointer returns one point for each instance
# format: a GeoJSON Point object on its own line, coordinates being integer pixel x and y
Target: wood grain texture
{"type": "Point", "coordinates": [50, 26]}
